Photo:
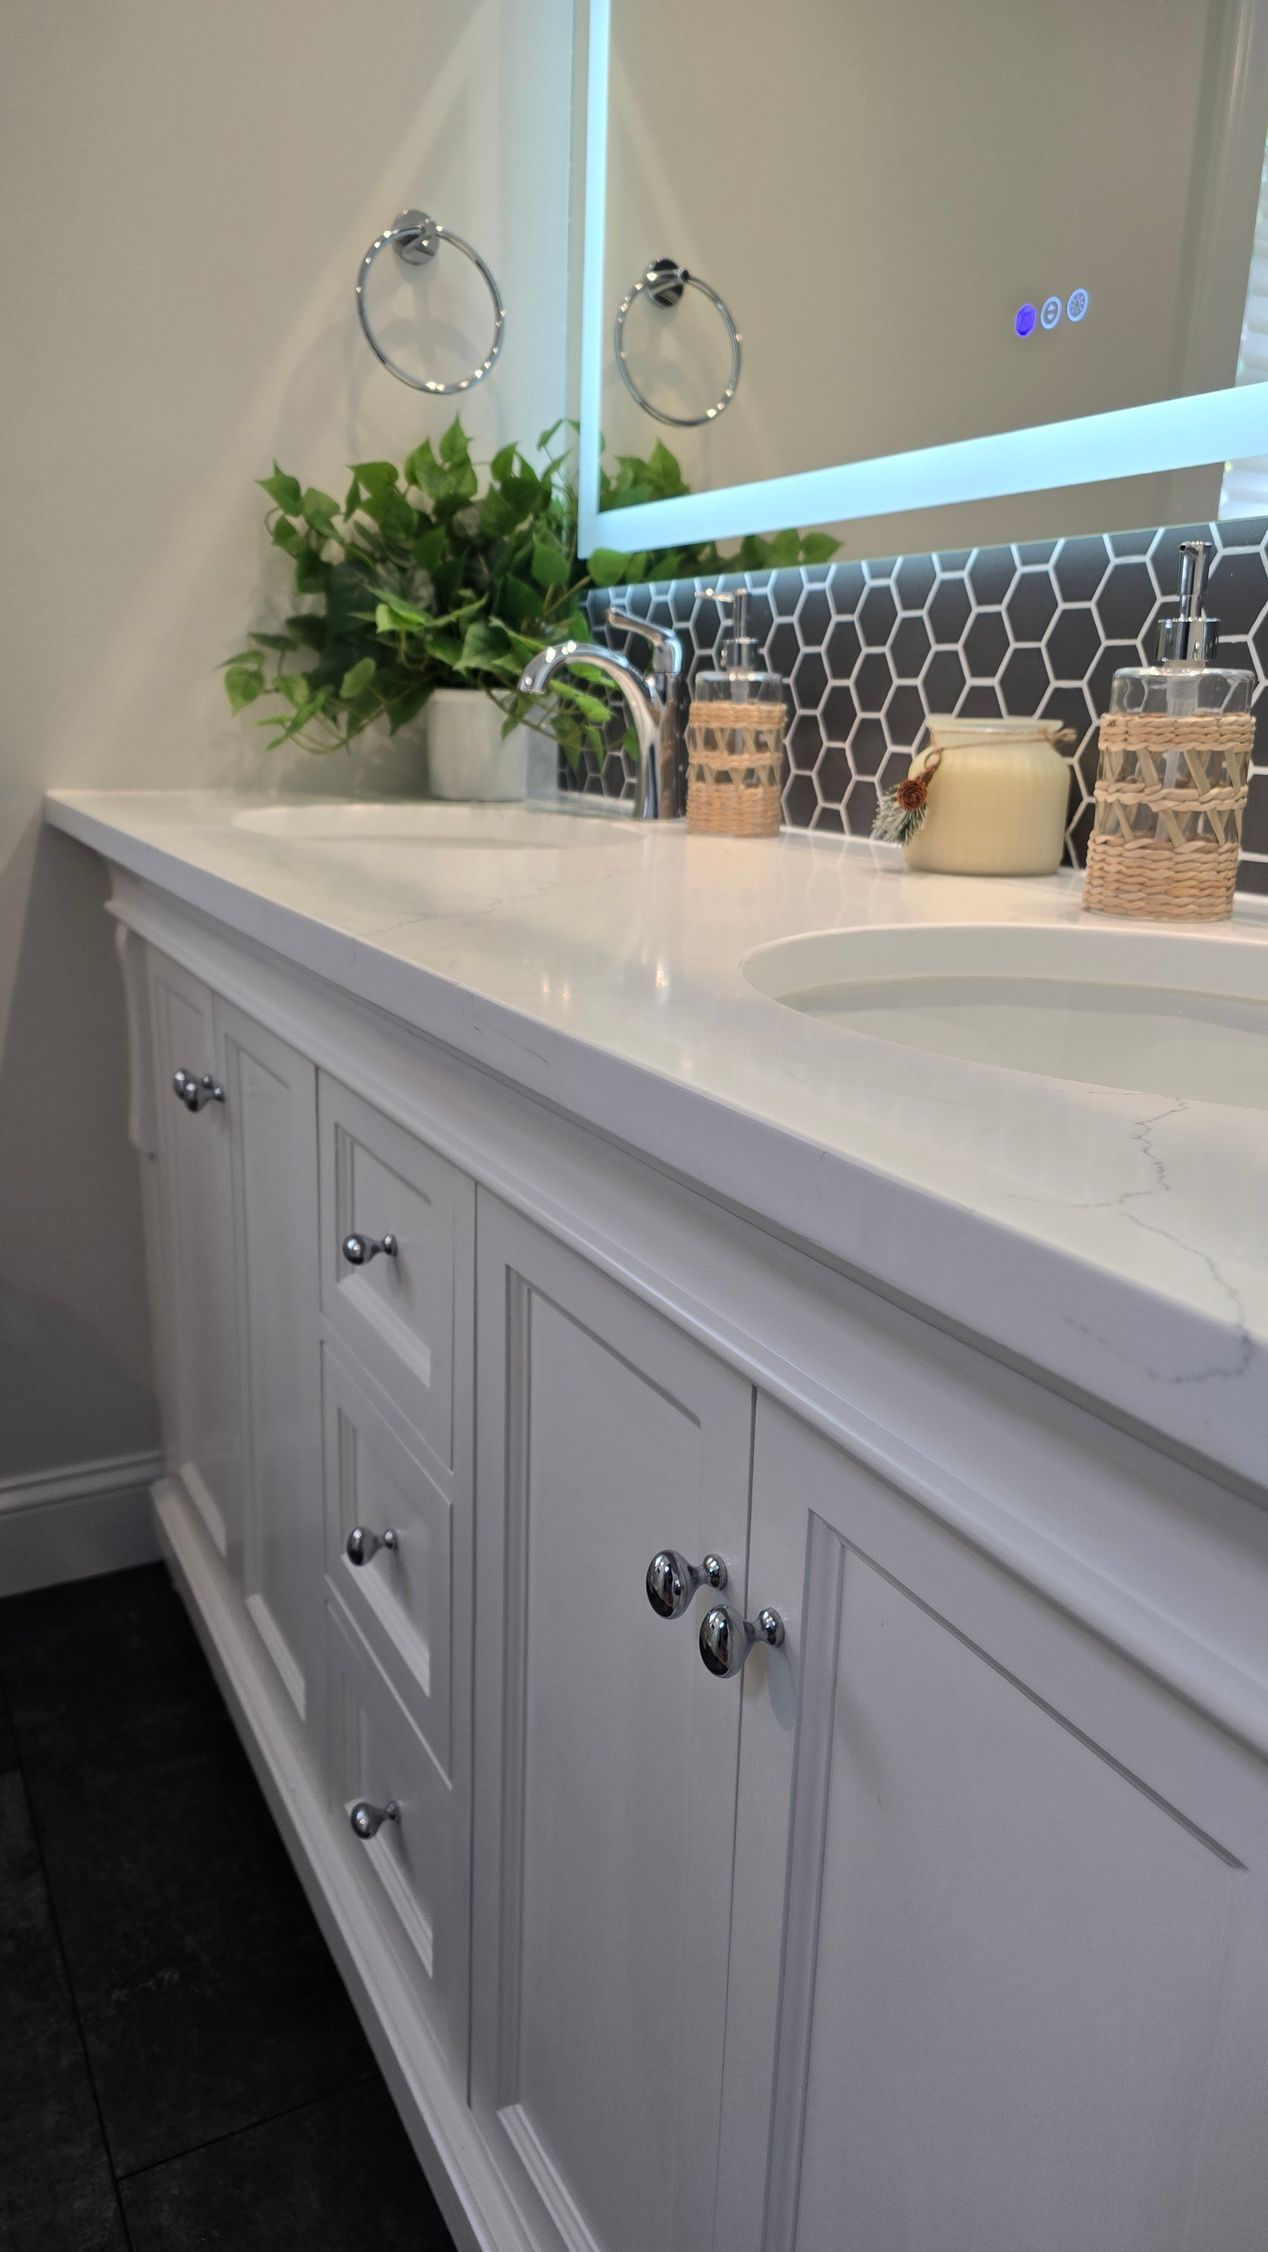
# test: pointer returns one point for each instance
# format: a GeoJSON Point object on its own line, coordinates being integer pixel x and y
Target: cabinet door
{"type": "Point", "coordinates": [201, 1413]}
{"type": "Point", "coordinates": [999, 1974]}
{"type": "Point", "coordinates": [606, 1754]}
{"type": "Point", "coordinates": [271, 1108]}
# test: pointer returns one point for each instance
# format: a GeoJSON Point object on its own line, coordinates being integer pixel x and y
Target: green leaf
{"type": "Point", "coordinates": [310, 571]}
{"type": "Point", "coordinates": [520, 601]}
{"type": "Point", "coordinates": [607, 567]}
{"type": "Point", "coordinates": [397, 520]}
{"type": "Point", "coordinates": [454, 445]}
{"type": "Point", "coordinates": [354, 497]}
{"type": "Point", "coordinates": [286, 535]}
{"type": "Point", "coordinates": [503, 463]}
{"type": "Point", "coordinates": [275, 640]}
{"type": "Point", "coordinates": [243, 683]}
{"type": "Point", "coordinates": [308, 629]}
{"type": "Point", "coordinates": [320, 510]}
{"type": "Point", "coordinates": [284, 490]}
{"type": "Point", "coordinates": [357, 678]}
{"type": "Point", "coordinates": [785, 548]}
{"type": "Point", "coordinates": [375, 476]}
{"type": "Point", "coordinates": [406, 707]}
{"type": "Point", "coordinates": [550, 564]}
{"type": "Point", "coordinates": [294, 686]}
{"type": "Point", "coordinates": [819, 547]}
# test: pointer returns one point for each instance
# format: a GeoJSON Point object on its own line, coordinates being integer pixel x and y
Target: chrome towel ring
{"type": "Point", "coordinates": [416, 238]}
{"type": "Point", "coordinates": [664, 282]}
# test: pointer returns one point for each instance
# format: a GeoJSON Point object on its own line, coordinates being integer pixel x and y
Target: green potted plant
{"type": "Point", "coordinates": [431, 587]}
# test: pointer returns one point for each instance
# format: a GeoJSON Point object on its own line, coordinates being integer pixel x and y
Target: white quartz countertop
{"type": "Point", "coordinates": [1116, 1241]}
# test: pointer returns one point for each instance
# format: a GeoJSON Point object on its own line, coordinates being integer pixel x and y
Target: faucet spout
{"type": "Point", "coordinates": [656, 799]}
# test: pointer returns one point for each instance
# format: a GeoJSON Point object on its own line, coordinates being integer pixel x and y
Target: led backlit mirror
{"type": "Point", "coordinates": [989, 261]}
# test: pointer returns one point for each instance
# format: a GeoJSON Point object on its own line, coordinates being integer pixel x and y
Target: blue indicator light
{"type": "Point", "coordinates": [1077, 304]}
{"type": "Point", "coordinates": [1025, 321]}
{"type": "Point", "coordinates": [1051, 313]}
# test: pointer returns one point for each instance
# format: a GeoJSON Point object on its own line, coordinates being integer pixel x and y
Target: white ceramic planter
{"type": "Point", "coordinates": [467, 756]}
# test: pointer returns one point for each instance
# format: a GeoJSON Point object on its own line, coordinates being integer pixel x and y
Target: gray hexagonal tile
{"type": "Point", "coordinates": [873, 681]}
{"type": "Point", "coordinates": [909, 647]}
{"type": "Point", "coordinates": [991, 574]}
{"type": "Point", "coordinates": [1237, 591]}
{"type": "Point", "coordinates": [947, 611]}
{"type": "Point", "coordinates": [1079, 567]}
{"type": "Point", "coordinates": [1126, 602]}
{"type": "Point", "coordinates": [813, 617]}
{"type": "Point", "coordinates": [914, 581]}
{"type": "Point", "coordinates": [805, 742]}
{"type": "Point", "coordinates": [809, 680]}
{"type": "Point", "coordinates": [1031, 606]}
{"type": "Point", "coordinates": [985, 644]}
{"type": "Point", "coordinates": [869, 745]}
{"type": "Point", "coordinates": [1074, 641]}
{"type": "Point", "coordinates": [845, 588]}
{"type": "Point", "coordinates": [833, 774]}
{"type": "Point", "coordinates": [942, 681]}
{"type": "Point", "coordinates": [878, 613]}
{"type": "Point", "coordinates": [1024, 682]}
{"type": "Point", "coordinates": [842, 648]}
{"type": "Point", "coordinates": [838, 712]}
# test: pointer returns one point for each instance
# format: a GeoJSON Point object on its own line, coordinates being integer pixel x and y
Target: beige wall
{"type": "Point", "coordinates": [186, 193]}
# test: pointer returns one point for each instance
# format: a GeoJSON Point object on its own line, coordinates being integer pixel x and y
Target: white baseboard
{"type": "Point", "coordinates": [73, 1523]}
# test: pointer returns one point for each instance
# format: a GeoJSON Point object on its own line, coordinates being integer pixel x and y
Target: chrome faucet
{"type": "Point", "coordinates": [651, 698]}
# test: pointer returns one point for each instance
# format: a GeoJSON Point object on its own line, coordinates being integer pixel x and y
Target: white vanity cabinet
{"type": "Point", "coordinates": [606, 1755]}
{"type": "Point", "coordinates": [941, 1926]}
{"type": "Point", "coordinates": [999, 1971]}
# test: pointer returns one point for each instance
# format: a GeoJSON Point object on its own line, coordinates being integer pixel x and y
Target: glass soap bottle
{"type": "Point", "coordinates": [1174, 772]}
{"type": "Point", "coordinates": [735, 737]}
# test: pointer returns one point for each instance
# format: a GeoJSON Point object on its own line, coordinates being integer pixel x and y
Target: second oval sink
{"type": "Point", "coordinates": [1155, 1012]}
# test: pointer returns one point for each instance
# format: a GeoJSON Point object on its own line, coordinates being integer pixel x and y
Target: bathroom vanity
{"type": "Point", "coordinates": [497, 1215]}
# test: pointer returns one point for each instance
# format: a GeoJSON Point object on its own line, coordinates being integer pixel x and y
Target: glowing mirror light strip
{"type": "Point", "coordinates": [1208, 426]}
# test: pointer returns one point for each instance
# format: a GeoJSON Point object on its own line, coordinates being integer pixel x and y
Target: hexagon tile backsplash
{"type": "Point", "coordinates": [870, 649]}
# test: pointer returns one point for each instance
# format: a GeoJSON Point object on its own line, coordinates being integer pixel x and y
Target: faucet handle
{"type": "Point", "coordinates": [666, 648]}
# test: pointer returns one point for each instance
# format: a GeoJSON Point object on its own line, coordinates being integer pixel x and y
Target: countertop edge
{"type": "Point", "coordinates": [1017, 1296]}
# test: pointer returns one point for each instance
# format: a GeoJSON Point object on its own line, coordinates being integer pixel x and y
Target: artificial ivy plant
{"type": "Point", "coordinates": [430, 576]}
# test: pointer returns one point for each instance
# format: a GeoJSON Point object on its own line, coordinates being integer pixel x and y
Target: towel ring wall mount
{"type": "Point", "coordinates": [663, 283]}
{"type": "Point", "coordinates": [416, 237]}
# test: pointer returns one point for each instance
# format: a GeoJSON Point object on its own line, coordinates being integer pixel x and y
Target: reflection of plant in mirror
{"type": "Point", "coordinates": [422, 580]}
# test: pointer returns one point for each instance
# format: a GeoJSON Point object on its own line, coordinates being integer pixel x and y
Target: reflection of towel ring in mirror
{"type": "Point", "coordinates": [664, 282]}
{"type": "Point", "coordinates": [415, 238]}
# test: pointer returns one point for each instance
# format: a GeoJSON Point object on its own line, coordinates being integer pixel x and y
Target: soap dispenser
{"type": "Point", "coordinates": [735, 736]}
{"type": "Point", "coordinates": [1174, 772]}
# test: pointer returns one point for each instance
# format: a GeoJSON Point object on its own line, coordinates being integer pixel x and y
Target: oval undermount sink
{"type": "Point", "coordinates": [1153, 1012]}
{"type": "Point", "coordinates": [489, 828]}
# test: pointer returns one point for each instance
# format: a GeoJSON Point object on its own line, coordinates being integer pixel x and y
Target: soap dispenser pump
{"type": "Point", "coordinates": [735, 735]}
{"type": "Point", "coordinates": [1173, 776]}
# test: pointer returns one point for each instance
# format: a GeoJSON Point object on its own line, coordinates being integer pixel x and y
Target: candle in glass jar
{"type": "Point", "coordinates": [997, 802]}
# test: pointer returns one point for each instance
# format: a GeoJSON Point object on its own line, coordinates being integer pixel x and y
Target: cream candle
{"type": "Point", "coordinates": [998, 794]}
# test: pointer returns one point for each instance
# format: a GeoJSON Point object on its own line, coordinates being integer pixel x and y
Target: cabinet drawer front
{"type": "Point", "coordinates": [396, 1312]}
{"type": "Point", "coordinates": [200, 1357]}
{"type": "Point", "coordinates": [402, 1596]}
{"type": "Point", "coordinates": [412, 1871]}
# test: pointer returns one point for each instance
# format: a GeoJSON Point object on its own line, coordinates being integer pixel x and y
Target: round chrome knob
{"type": "Point", "coordinates": [362, 1544]}
{"type": "Point", "coordinates": [672, 1581]}
{"type": "Point", "coordinates": [368, 1820]}
{"type": "Point", "coordinates": [725, 1641]}
{"type": "Point", "coordinates": [358, 1250]}
{"type": "Point", "coordinates": [195, 1092]}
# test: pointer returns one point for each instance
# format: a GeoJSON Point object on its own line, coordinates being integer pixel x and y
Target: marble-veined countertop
{"type": "Point", "coordinates": [1116, 1241]}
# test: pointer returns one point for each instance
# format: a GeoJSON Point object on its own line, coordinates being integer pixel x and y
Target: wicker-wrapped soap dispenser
{"type": "Point", "coordinates": [1174, 771]}
{"type": "Point", "coordinates": [735, 738]}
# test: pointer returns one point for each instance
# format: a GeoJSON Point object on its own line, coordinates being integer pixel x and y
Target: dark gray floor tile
{"type": "Point", "coordinates": [8, 1746]}
{"type": "Point", "coordinates": [339, 2176]}
{"type": "Point", "coordinates": [34, 2001]}
{"type": "Point", "coordinates": [195, 2054]}
{"type": "Point", "coordinates": [107, 1673]}
{"type": "Point", "coordinates": [56, 2187]}
{"type": "Point", "coordinates": [162, 1871]}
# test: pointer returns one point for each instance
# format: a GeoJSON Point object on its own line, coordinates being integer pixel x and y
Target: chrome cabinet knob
{"type": "Point", "coordinates": [368, 1820]}
{"type": "Point", "coordinates": [194, 1092]}
{"type": "Point", "coordinates": [672, 1581]}
{"type": "Point", "coordinates": [358, 1250]}
{"type": "Point", "coordinates": [362, 1544]}
{"type": "Point", "coordinates": [725, 1641]}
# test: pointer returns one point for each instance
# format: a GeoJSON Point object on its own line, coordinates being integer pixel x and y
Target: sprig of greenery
{"type": "Point", "coordinates": [429, 576]}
